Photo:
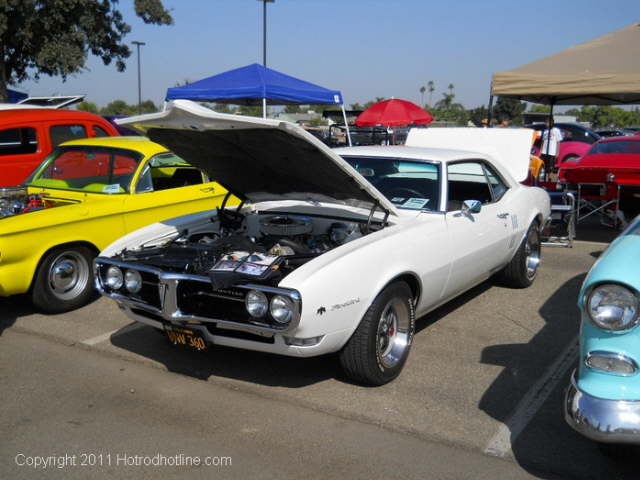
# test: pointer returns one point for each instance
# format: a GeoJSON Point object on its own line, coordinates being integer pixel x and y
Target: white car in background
{"type": "Point", "coordinates": [330, 250]}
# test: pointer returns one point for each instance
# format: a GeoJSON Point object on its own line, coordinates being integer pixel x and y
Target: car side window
{"type": "Point", "coordinates": [467, 181]}
{"type": "Point", "coordinates": [498, 187]}
{"type": "Point", "coordinates": [99, 131]}
{"type": "Point", "coordinates": [18, 141]}
{"type": "Point", "coordinates": [167, 170]}
{"type": "Point", "coordinates": [64, 133]}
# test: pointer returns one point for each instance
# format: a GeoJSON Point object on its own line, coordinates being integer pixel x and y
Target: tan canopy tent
{"type": "Point", "coordinates": [604, 71]}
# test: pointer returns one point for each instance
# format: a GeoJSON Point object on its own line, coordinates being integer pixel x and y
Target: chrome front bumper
{"type": "Point", "coordinates": [602, 420]}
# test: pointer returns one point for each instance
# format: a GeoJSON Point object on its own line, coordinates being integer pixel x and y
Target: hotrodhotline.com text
{"type": "Point", "coordinates": [80, 460]}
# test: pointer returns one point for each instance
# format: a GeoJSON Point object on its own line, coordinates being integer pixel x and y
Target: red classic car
{"type": "Point", "coordinates": [576, 141]}
{"type": "Point", "coordinates": [28, 135]}
{"type": "Point", "coordinates": [614, 165]}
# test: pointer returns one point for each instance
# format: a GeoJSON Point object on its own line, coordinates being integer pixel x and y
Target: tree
{"type": "Point", "coordinates": [293, 108]}
{"type": "Point", "coordinates": [55, 37]}
{"type": "Point", "coordinates": [510, 109]}
{"type": "Point", "coordinates": [118, 107]}
{"type": "Point", "coordinates": [422, 90]}
{"type": "Point", "coordinates": [540, 109]}
{"type": "Point", "coordinates": [87, 107]}
{"type": "Point", "coordinates": [432, 87]}
{"type": "Point", "coordinates": [450, 88]}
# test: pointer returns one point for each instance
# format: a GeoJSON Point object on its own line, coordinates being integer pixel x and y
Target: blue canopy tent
{"type": "Point", "coordinates": [255, 84]}
{"type": "Point", "coordinates": [15, 96]}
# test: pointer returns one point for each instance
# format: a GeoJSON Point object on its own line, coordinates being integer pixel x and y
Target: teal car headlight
{"type": "Point", "coordinates": [612, 307]}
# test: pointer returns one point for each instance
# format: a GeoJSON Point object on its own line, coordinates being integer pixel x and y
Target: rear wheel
{"type": "Point", "coordinates": [521, 271]}
{"type": "Point", "coordinates": [63, 280]}
{"type": "Point", "coordinates": [378, 349]}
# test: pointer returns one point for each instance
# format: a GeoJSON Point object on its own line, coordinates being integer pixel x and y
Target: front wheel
{"type": "Point", "coordinates": [63, 280]}
{"type": "Point", "coordinates": [521, 271]}
{"type": "Point", "coordinates": [378, 349]}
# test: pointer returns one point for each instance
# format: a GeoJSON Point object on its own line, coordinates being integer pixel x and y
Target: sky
{"type": "Point", "coordinates": [365, 48]}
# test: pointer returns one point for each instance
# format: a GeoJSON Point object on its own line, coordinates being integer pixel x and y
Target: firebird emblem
{"type": "Point", "coordinates": [321, 310]}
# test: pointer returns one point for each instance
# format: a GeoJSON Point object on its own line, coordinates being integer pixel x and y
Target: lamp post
{"type": "Point", "coordinates": [264, 47]}
{"type": "Point", "coordinates": [138, 45]}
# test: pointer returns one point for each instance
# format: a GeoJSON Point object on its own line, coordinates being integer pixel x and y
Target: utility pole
{"type": "Point", "coordinates": [138, 45]}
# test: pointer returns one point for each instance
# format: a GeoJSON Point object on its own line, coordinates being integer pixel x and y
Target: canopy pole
{"type": "Point", "coordinates": [346, 124]}
{"type": "Point", "coordinates": [490, 108]}
{"type": "Point", "coordinates": [264, 108]}
{"type": "Point", "coordinates": [550, 123]}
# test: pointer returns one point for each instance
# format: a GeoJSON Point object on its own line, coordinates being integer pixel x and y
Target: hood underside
{"type": "Point", "coordinates": [258, 159]}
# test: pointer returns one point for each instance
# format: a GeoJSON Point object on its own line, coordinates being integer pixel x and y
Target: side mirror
{"type": "Point", "coordinates": [471, 206]}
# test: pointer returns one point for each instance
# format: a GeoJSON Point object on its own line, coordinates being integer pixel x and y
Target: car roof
{"type": "Point", "coordinates": [414, 153]}
{"type": "Point", "coordinates": [632, 138]}
{"type": "Point", "coordinates": [39, 114]}
{"type": "Point", "coordinates": [142, 144]}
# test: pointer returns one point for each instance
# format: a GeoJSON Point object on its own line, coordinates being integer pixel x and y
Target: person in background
{"type": "Point", "coordinates": [551, 138]}
{"type": "Point", "coordinates": [504, 124]}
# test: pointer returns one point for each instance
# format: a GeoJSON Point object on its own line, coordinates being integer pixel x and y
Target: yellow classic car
{"type": "Point", "coordinates": [85, 195]}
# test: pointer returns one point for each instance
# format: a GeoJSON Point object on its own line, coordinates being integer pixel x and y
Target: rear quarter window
{"type": "Point", "coordinates": [64, 133]}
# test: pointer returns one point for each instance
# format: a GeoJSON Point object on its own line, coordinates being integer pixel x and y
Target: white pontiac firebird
{"type": "Point", "coordinates": [329, 250]}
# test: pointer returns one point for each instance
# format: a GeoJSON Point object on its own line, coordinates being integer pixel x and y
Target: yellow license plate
{"type": "Point", "coordinates": [186, 337]}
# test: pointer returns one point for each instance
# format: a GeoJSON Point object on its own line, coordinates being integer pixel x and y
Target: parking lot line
{"type": "Point", "coordinates": [507, 434]}
{"type": "Point", "coordinates": [106, 336]}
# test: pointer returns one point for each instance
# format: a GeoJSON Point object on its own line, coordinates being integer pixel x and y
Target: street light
{"type": "Point", "coordinates": [264, 47]}
{"type": "Point", "coordinates": [138, 45]}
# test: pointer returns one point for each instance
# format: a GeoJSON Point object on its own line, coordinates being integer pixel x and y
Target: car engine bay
{"type": "Point", "coordinates": [257, 247]}
{"type": "Point", "coordinates": [16, 201]}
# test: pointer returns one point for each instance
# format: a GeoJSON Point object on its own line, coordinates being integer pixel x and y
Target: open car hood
{"type": "Point", "coordinates": [509, 147]}
{"type": "Point", "coordinates": [258, 159]}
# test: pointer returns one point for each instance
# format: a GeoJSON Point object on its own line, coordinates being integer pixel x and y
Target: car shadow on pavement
{"type": "Point", "coordinates": [546, 443]}
{"type": "Point", "coordinates": [220, 361]}
{"type": "Point", "coordinates": [250, 366]}
{"type": "Point", "coordinates": [11, 308]}
{"type": "Point", "coordinates": [432, 317]}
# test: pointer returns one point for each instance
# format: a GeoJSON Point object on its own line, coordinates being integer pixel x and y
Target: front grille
{"type": "Point", "coordinates": [199, 298]}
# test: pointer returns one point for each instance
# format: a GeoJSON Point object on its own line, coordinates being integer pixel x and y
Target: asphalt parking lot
{"type": "Point", "coordinates": [485, 377]}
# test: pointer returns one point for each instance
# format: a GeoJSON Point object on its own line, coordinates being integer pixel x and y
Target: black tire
{"type": "Point", "coordinates": [619, 451]}
{"type": "Point", "coordinates": [378, 349]}
{"type": "Point", "coordinates": [64, 280]}
{"type": "Point", "coordinates": [570, 157]}
{"type": "Point", "coordinates": [521, 271]}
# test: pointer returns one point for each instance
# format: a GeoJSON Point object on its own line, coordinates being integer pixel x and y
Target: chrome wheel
{"type": "Point", "coordinates": [393, 334]}
{"type": "Point", "coordinates": [68, 275]}
{"type": "Point", "coordinates": [532, 253]}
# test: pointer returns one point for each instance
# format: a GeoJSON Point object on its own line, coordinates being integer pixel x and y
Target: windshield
{"type": "Point", "coordinates": [623, 146]}
{"type": "Point", "coordinates": [407, 184]}
{"type": "Point", "coordinates": [87, 168]}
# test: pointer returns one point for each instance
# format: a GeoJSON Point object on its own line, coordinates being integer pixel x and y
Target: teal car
{"type": "Point", "coordinates": [603, 400]}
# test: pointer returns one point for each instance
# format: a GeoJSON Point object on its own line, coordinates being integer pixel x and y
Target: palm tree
{"type": "Point", "coordinates": [422, 90]}
{"type": "Point", "coordinates": [432, 87]}
{"type": "Point", "coordinates": [450, 88]}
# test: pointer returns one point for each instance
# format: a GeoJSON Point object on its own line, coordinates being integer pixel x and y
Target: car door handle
{"type": "Point", "coordinates": [503, 215]}
{"type": "Point", "coordinates": [207, 189]}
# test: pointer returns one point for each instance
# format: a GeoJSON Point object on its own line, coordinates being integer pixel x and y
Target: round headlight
{"type": "Point", "coordinates": [613, 307]}
{"type": "Point", "coordinates": [281, 309]}
{"type": "Point", "coordinates": [114, 278]}
{"type": "Point", "coordinates": [256, 303]}
{"type": "Point", "coordinates": [133, 281]}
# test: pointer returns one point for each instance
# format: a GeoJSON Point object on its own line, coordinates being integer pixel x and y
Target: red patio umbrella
{"type": "Point", "coordinates": [393, 112]}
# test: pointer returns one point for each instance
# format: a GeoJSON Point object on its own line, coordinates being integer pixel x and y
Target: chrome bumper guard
{"type": "Point", "coordinates": [602, 420]}
{"type": "Point", "coordinates": [170, 310]}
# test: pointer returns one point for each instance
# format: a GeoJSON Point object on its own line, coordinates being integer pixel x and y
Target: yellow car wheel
{"type": "Point", "coordinates": [64, 280]}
